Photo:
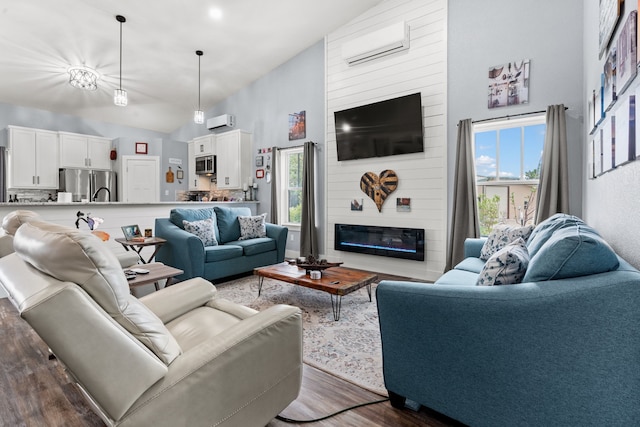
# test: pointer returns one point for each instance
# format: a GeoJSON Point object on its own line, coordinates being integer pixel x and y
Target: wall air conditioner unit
{"type": "Point", "coordinates": [385, 41]}
{"type": "Point", "coordinates": [221, 122]}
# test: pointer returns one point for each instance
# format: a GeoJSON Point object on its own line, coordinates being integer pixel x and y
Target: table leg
{"type": "Point", "coordinates": [260, 281]}
{"type": "Point", "coordinates": [336, 306]}
{"type": "Point", "coordinates": [369, 291]}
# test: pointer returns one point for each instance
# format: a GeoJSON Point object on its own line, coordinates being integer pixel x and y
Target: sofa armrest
{"type": "Point", "coordinates": [279, 234]}
{"type": "Point", "coordinates": [470, 342]}
{"type": "Point", "coordinates": [183, 250]}
{"type": "Point", "coordinates": [257, 355]}
{"type": "Point", "coordinates": [473, 247]}
{"type": "Point", "coordinates": [174, 301]}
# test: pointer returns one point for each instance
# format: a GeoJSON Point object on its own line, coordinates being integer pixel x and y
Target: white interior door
{"type": "Point", "coordinates": [140, 179]}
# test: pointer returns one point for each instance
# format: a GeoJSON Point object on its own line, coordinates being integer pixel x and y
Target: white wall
{"type": "Point", "coordinates": [422, 177]}
{"type": "Point", "coordinates": [610, 202]}
{"type": "Point", "coordinates": [549, 33]}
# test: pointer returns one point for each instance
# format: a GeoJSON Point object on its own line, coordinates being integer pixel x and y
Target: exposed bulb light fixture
{"type": "Point", "coordinates": [198, 116]}
{"type": "Point", "coordinates": [83, 78]}
{"type": "Point", "coordinates": [120, 95]}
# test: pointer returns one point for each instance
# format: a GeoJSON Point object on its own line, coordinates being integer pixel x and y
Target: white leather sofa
{"type": "Point", "coordinates": [177, 357]}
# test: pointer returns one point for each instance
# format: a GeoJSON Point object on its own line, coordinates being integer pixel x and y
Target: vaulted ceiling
{"type": "Point", "coordinates": [41, 39]}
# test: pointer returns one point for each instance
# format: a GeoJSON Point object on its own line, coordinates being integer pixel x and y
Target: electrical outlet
{"type": "Point", "coordinates": [166, 192]}
{"type": "Point", "coordinates": [292, 237]}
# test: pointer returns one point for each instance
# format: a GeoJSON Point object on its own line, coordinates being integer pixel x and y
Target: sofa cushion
{"type": "Point", "coordinates": [203, 229]}
{"type": "Point", "coordinates": [458, 277]}
{"type": "Point", "coordinates": [255, 246]}
{"type": "Point", "coordinates": [571, 252]}
{"type": "Point", "coordinates": [501, 235]}
{"type": "Point", "coordinates": [543, 231]}
{"type": "Point", "coordinates": [222, 253]}
{"type": "Point", "coordinates": [472, 264]}
{"type": "Point", "coordinates": [71, 255]}
{"type": "Point", "coordinates": [507, 266]}
{"type": "Point", "coordinates": [176, 216]}
{"type": "Point", "coordinates": [228, 224]}
{"type": "Point", "coordinates": [252, 227]}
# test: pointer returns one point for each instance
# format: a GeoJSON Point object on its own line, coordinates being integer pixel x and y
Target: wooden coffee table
{"type": "Point", "coordinates": [336, 281]}
{"type": "Point", "coordinates": [157, 272]}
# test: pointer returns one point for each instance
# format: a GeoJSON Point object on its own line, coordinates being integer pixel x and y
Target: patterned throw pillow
{"type": "Point", "coordinates": [252, 226]}
{"type": "Point", "coordinates": [505, 267]}
{"type": "Point", "coordinates": [501, 235]}
{"type": "Point", "coordinates": [203, 229]}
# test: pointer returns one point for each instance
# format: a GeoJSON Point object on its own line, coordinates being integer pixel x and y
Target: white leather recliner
{"type": "Point", "coordinates": [176, 357]}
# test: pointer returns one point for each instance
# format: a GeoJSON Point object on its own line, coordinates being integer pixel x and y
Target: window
{"type": "Point", "coordinates": [508, 156]}
{"type": "Point", "coordinates": [290, 209]}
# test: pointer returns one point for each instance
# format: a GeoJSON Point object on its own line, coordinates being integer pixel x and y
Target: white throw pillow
{"type": "Point", "coordinates": [203, 229]}
{"type": "Point", "coordinates": [501, 235]}
{"type": "Point", "coordinates": [252, 227]}
{"type": "Point", "coordinates": [505, 267]}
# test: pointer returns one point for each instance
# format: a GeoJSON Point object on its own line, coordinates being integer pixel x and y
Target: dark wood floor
{"type": "Point", "coordinates": [35, 391]}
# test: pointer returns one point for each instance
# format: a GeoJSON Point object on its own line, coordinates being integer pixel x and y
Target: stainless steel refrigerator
{"type": "Point", "coordinates": [92, 185]}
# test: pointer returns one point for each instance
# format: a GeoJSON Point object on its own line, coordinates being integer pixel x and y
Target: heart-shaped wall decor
{"type": "Point", "coordinates": [377, 187]}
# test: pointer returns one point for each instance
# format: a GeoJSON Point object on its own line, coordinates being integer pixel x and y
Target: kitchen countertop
{"type": "Point", "coordinates": [127, 203]}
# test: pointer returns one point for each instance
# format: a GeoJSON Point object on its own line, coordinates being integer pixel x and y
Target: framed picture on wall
{"type": "Point", "coordinates": [626, 53]}
{"type": "Point", "coordinates": [141, 148]}
{"type": "Point", "coordinates": [609, 16]}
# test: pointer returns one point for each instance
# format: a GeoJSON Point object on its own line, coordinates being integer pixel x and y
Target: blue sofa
{"type": "Point", "coordinates": [231, 256]}
{"type": "Point", "coordinates": [557, 352]}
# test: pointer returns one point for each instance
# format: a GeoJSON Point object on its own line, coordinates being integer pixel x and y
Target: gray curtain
{"type": "Point", "coordinates": [308, 234]}
{"type": "Point", "coordinates": [3, 175]}
{"type": "Point", "coordinates": [273, 213]}
{"type": "Point", "coordinates": [553, 190]}
{"type": "Point", "coordinates": [464, 215]}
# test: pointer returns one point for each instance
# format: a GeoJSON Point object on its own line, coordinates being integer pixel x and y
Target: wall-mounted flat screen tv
{"type": "Point", "coordinates": [385, 128]}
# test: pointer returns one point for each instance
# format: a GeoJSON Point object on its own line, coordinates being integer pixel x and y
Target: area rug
{"type": "Point", "coordinates": [349, 348]}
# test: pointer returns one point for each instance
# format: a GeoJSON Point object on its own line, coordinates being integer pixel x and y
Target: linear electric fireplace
{"type": "Point", "coordinates": [395, 242]}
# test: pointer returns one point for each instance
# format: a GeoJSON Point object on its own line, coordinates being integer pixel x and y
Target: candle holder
{"type": "Point", "coordinates": [245, 194]}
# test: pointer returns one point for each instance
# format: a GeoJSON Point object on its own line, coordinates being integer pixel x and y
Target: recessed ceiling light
{"type": "Point", "coordinates": [215, 13]}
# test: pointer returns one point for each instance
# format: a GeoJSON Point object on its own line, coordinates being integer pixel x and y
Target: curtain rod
{"type": "Point", "coordinates": [295, 146]}
{"type": "Point", "coordinates": [514, 115]}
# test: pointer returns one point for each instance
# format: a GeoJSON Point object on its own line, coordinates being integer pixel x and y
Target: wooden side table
{"type": "Point", "coordinates": [157, 272]}
{"type": "Point", "coordinates": [157, 242]}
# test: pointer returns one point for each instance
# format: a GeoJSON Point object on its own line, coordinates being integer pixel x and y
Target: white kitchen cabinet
{"type": "Point", "coordinates": [196, 182]}
{"type": "Point", "coordinates": [204, 145]}
{"type": "Point", "coordinates": [84, 151]}
{"type": "Point", "coordinates": [32, 158]}
{"type": "Point", "coordinates": [234, 153]}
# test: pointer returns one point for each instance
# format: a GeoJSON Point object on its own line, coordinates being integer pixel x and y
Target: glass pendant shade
{"type": "Point", "coordinates": [198, 117]}
{"type": "Point", "coordinates": [120, 97]}
{"type": "Point", "coordinates": [83, 78]}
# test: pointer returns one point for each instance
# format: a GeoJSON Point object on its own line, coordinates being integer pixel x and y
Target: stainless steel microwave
{"type": "Point", "coordinates": [206, 165]}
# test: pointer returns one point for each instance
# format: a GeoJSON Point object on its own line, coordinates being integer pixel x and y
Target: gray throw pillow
{"type": "Point", "coordinates": [252, 227]}
{"type": "Point", "coordinates": [505, 267]}
{"type": "Point", "coordinates": [203, 229]}
{"type": "Point", "coordinates": [501, 235]}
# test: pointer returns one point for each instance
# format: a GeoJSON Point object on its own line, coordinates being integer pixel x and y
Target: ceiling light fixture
{"type": "Point", "coordinates": [198, 116]}
{"type": "Point", "coordinates": [120, 95]}
{"type": "Point", "coordinates": [83, 78]}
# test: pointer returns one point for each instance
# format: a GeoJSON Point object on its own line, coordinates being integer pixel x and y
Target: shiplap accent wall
{"type": "Point", "coordinates": [422, 177]}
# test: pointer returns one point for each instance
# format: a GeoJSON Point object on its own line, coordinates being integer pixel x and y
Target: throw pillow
{"type": "Point", "coordinates": [252, 226]}
{"type": "Point", "coordinates": [203, 229]}
{"type": "Point", "coordinates": [572, 252]}
{"type": "Point", "coordinates": [501, 235]}
{"type": "Point", "coordinates": [505, 267]}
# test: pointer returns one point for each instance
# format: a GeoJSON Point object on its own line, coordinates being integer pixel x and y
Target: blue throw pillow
{"type": "Point", "coordinates": [546, 228]}
{"type": "Point", "coordinates": [571, 252]}
{"type": "Point", "coordinates": [228, 223]}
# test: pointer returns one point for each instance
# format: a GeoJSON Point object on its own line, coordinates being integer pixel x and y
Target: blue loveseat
{"type": "Point", "coordinates": [562, 351]}
{"type": "Point", "coordinates": [230, 256]}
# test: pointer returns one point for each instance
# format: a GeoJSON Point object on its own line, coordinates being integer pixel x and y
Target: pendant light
{"type": "Point", "coordinates": [120, 95]}
{"type": "Point", "coordinates": [198, 116]}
